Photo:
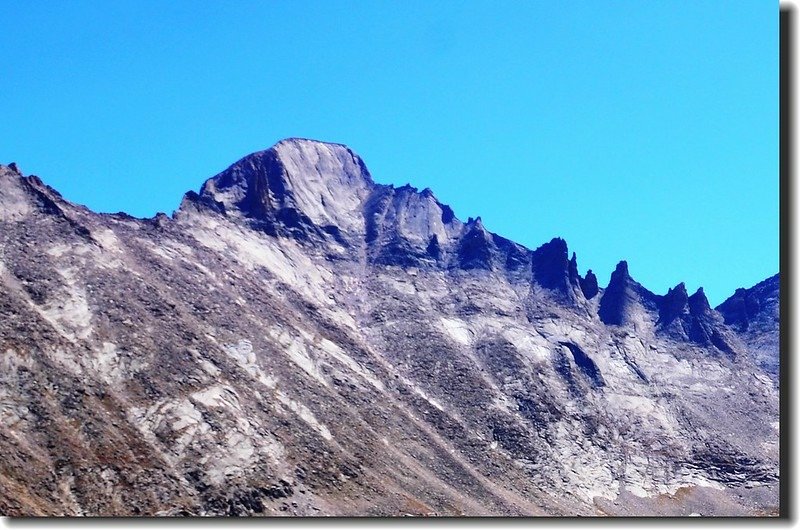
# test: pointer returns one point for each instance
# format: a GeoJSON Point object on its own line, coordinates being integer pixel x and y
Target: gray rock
{"type": "Point", "coordinates": [297, 339]}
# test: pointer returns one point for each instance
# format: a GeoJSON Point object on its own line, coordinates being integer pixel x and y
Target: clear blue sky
{"type": "Point", "coordinates": [637, 130]}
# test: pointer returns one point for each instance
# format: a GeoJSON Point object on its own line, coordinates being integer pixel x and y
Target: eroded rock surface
{"type": "Point", "coordinates": [297, 339]}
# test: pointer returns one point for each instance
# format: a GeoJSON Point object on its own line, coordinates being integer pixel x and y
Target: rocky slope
{"type": "Point", "coordinates": [297, 339]}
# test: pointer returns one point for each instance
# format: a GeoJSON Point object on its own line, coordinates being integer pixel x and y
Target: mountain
{"type": "Point", "coordinates": [754, 314]}
{"type": "Point", "coordinates": [298, 339]}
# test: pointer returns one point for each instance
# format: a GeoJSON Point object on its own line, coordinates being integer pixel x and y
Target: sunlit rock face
{"type": "Point", "coordinates": [297, 339]}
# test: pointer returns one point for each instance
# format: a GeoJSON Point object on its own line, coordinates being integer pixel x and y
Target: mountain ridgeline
{"type": "Point", "coordinates": [298, 339]}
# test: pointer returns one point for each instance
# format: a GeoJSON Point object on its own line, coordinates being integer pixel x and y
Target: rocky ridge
{"type": "Point", "coordinates": [754, 315]}
{"type": "Point", "coordinates": [298, 339]}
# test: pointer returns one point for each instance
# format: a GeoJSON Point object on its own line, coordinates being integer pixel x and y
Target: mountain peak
{"type": "Point", "coordinates": [621, 270]}
{"type": "Point", "coordinates": [20, 194]}
{"type": "Point", "coordinates": [698, 302]}
{"type": "Point", "coordinates": [754, 315]}
{"type": "Point", "coordinates": [553, 268]}
{"type": "Point", "coordinates": [622, 296]}
{"type": "Point", "coordinates": [673, 304]}
{"type": "Point", "coordinates": [272, 349]}
{"type": "Point", "coordinates": [745, 305]}
{"type": "Point", "coordinates": [297, 182]}
{"type": "Point", "coordinates": [326, 159]}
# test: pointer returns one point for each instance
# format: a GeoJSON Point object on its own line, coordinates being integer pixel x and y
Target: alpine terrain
{"type": "Point", "coordinates": [297, 339]}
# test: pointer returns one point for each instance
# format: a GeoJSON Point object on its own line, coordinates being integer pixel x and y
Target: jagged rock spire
{"type": "Point", "coordinates": [622, 297]}
{"type": "Point", "coordinates": [475, 249]}
{"type": "Point", "coordinates": [574, 277]}
{"type": "Point", "coordinates": [551, 265]}
{"type": "Point", "coordinates": [615, 298]}
{"type": "Point", "coordinates": [673, 304]}
{"type": "Point", "coordinates": [589, 285]}
{"type": "Point", "coordinates": [698, 302]}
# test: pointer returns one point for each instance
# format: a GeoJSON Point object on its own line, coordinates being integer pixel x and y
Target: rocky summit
{"type": "Point", "coordinates": [297, 339]}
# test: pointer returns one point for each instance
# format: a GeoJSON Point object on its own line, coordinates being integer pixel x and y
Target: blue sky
{"type": "Point", "coordinates": [645, 131]}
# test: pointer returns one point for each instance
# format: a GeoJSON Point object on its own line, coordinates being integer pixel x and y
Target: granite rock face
{"type": "Point", "coordinates": [297, 339]}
